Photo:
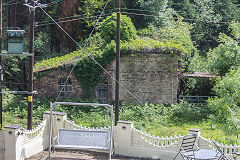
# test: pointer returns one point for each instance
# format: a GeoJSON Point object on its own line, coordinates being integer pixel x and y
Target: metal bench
{"type": "Point", "coordinates": [83, 139]}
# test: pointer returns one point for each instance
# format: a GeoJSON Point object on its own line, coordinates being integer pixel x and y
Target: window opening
{"type": "Point", "coordinates": [66, 90]}
{"type": "Point", "coordinates": [102, 91]}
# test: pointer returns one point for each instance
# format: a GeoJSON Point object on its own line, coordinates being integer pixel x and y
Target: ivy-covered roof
{"type": "Point", "coordinates": [136, 46]}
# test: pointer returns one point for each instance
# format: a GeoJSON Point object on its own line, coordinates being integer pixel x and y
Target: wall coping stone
{"type": "Point", "coordinates": [195, 130]}
{"type": "Point", "coordinates": [126, 122]}
{"type": "Point", "coordinates": [56, 113]}
{"type": "Point", "coordinates": [13, 126]}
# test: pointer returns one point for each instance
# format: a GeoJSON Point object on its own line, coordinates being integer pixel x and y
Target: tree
{"type": "Point", "coordinates": [208, 18]}
{"type": "Point", "coordinates": [225, 56]}
{"type": "Point", "coordinates": [163, 14]}
{"type": "Point", "coordinates": [226, 104]}
{"type": "Point", "coordinates": [108, 28]}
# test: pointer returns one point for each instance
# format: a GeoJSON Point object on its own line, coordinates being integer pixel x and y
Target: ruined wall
{"type": "Point", "coordinates": [47, 85]}
{"type": "Point", "coordinates": [150, 77]}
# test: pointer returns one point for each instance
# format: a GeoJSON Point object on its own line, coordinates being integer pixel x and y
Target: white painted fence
{"type": "Point", "coordinates": [227, 149]}
{"type": "Point", "coordinates": [36, 140]}
{"type": "Point", "coordinates": [18, 144]}
{"type": "Point", "coordinates": [129, 141]}
{"type": "Point", "coordinates": [153, 140]}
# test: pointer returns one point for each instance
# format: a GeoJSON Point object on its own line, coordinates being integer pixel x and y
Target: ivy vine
{"type": "Point", "coordinates": [88, 72]}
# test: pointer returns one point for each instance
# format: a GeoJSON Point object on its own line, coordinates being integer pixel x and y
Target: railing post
{"type": "Point", "coordinates": [58, 119]}
{"type": "Point", "coordinates": [14, 143]}
{"type": "Point", "coordinates": [122, 137]}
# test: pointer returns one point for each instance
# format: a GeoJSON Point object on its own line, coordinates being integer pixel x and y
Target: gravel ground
{"type": "Point", "coordinates": [78, 155]}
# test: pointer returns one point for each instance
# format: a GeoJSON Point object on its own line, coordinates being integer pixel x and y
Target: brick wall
{"type": "Point", "coordinates": [47, 86]}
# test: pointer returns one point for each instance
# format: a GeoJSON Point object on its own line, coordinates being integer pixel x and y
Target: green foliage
{"type": "Point", "coordinates": [146, 32]}
{"type": "Point", "coordinates": [154, 119]}
{"type": "Point", "coordinates": [226, 104]}
{"type": "Point", "coordinates": [42, 46]}
{"type": "Point", "coordinates": [178, 32]}
{"type": "Point", "coordinates": [235, 30]}
{"type": "Point", "coordinates": [127, 29]}
{"type": "Point", "coordinates": [206, 17]}
{"type": "Point", "coordinates": [222, 58]}
{"type": "Point", "coordinates": [88, 72]}
{"type": "Point", "coordinates": [164, 14]}
{"type": "Point", "coordinates": [185, 112]}
{"type": "Point", "coordinates": [90, 8]}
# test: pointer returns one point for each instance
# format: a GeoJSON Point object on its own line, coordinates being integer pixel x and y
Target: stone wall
{"type": "Point", "coordinates": [47, 85]}
{"type": "Point", "coordinates": [150, 77]}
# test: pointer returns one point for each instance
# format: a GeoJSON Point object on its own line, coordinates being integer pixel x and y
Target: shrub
{"type": "Point", "coordinates": [226, 105]}
{"type": "Point", "coordinates": [127, 29]}
{"type": "Point", "coordinates": [185, 112]}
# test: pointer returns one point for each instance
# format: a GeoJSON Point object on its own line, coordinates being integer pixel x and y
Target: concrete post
{"type": "Point", "coordinates": [14, 143]}
{"type": "Point", "coordinates": [58, 119]}
{"type": "Point", "coordinates": [122, 137]}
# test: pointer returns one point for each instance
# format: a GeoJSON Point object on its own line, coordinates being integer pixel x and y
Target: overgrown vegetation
{"type": "Point", "coordinates": [159, 120]}
{"type": "Point", "coordinates": [109, 25]}
{"type": "Point", "coordinates": [88, 72]}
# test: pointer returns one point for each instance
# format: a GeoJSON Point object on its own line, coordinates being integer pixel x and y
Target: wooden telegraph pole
{"type": "Point", "coordinates": [31, 62]}
{"type": "Point", "coordinates": [117, 64]}
{"type": "Point", "coordinates": [1, 63]}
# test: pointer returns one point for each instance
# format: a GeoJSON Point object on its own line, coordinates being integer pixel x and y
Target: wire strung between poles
{"type": "Point", "coordinates": [91, 57]}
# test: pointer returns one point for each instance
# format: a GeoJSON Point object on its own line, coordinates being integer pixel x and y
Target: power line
{"type": "Point", "coordinates": [83, 48]}
{"type": "Point", "coordinates": [92, 58]}
{"type": "Point", "coordinates": [70, 20]}
{"type": "Point", "coordinates": [155, 16]}
{"type": "Point", "coordinates": [75, 16]}
{"type": "Point", "coordinates": [136, 14]}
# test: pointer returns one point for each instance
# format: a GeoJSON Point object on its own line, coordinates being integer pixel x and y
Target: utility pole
{"type": "Point", "coordinates": [31, 62]}
{"type": "Point", "coordinates": [1, 63]}
{"type": "Point", "coordinates": [117, 64]}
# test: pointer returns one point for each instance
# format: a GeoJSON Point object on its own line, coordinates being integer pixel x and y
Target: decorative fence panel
{"type": "Point", "coordinates": [227, 149]}
{"type": "Point", "coordinates": [36, 140]}
{"type": "Point", "coordinates": [129, 141]}
{"type": "Point", "coordinates": [143, 139]}
{"type": "Point", "coordinates": [2, 145]}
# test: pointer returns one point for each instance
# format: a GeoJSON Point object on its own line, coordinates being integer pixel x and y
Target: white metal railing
{"type": "Point", "coordinates": [71, 125]}
{"type": "Point", "coordinates": [37, 132]}
{"type": "Point", "coordinates": [156, 140]}
{"type": "Point", "coordinates": [227, 149]}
